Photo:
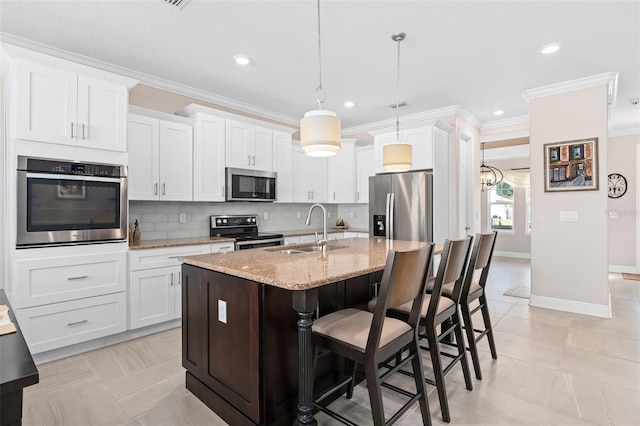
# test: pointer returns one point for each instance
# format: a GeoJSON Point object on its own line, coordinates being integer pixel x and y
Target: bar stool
{"type": "Point", "coordinates": [371, 338]}
{"type": "Point", "coordinates": [479, 263]}
{"type": "Point", "coordinates": [442, 312]}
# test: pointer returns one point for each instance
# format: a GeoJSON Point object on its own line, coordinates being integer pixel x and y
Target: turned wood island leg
{"type": "Point", "coordinates": [305, 303]}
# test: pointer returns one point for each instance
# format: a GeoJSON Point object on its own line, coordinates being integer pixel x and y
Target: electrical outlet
{"type": "Point", "coordinates": [351, 214]}
{"type": "Point", "coordinates": [265, 215]}
{"type": "Point", "coordinates": [222, 311]}
{"type": "Point", "coordinates": [298, 215]}
{"type": "Point", "coordinates": [183, 217]}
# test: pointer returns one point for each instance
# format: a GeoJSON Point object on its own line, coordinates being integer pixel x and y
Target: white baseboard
{"type": "Point", "coordinates": [623, 269]}
{"type": "Point", "coordinates": [514, 254]}
{"type": "Point", "coordinates": [603, 311]}
{"type": "Point", "coordinates": [102, 342]}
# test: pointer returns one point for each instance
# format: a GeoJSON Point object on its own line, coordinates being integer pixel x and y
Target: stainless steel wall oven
{"type": "Point", "coordinates": [70, 202]}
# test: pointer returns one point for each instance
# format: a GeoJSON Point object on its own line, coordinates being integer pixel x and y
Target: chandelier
{"type": "Point", "coordinates": [489, 176]}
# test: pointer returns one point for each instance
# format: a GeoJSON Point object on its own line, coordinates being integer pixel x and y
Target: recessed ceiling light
{"type": "Point", "coordinates": [242, 60]}
{"type": "Point", "coordinates": [498, 112]}
{"type": "Point", "coordinates": [349, 104]}
{"type": "Point", "coordinates": [550, 48]}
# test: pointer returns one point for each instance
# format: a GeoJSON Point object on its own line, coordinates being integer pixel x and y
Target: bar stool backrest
{"type": "Point", "coordinates": [453, 261]}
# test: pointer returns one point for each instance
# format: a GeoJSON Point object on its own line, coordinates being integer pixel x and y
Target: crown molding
{"type": "Point", "coordinates": [624, 132]}
{"type": "Point", "coordinates": [149, 80]}
{"type": "Point", "coordinates": [413, 120]}
{"type": "Point", "coordinates": [504, 136]}
{"type": "Point", "coordinates": [506, 122]}
{"type": "Point", "coordinates": [610, 79]}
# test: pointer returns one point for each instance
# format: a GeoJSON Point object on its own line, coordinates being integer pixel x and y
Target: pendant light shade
{"type": "Point", "coordinates": [397, 156]}
{"type": "Point", "coordinates": [320, 133]}
{"type": "Point", "coordinates": [320, 129]}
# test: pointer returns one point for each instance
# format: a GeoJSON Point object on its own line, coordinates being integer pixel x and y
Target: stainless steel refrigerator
{"type": "Point", "coordinates": [401, 206]}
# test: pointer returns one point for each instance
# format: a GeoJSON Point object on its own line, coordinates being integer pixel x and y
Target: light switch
{"type": "Point", "coordinates": [569, 216]}
{"type": "Point", "coordinates": [613, 214]}
{"type": "Point", "coordinates": [222, 311]}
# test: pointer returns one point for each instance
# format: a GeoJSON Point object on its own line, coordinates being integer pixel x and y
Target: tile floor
{"type": "Point", "coordinates": [553, 368]}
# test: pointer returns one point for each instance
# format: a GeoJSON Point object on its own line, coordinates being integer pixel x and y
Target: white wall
{"type": "Point", "coordinates": [569, 260]}
{"type": "Point", "coordinates": [3, 180]}
{"type": "Point", "coordinates": [623, 256]}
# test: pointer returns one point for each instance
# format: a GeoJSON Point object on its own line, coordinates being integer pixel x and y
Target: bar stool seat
{"type": "Point", "coordinates": [445, 306]}
{"type": "Point", "coordinates": [371, 338]}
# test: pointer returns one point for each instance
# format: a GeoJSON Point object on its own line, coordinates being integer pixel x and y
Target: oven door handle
{"type": "Point", "coordinates": [51, 176]}
{"type": "Point", "coordinates": [252, 242]}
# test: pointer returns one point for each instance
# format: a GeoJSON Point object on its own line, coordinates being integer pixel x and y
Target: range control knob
{"type": "Point", "coordinates": [253, 219]}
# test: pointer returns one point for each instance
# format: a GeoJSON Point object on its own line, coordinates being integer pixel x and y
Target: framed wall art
{"type": "Point", "coordinates": [571, 165]}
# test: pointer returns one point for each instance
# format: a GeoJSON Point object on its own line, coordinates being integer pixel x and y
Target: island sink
{"type": "Point", "coordinates": [305, 249]}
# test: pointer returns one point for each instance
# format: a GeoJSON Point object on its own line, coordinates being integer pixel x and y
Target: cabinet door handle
{"type": "Point", "coordinates": [224, 191]}
{"type": "Point", "coordinates": [312, 197]}
{"type": "Point", "coordinates": [82, 130]}
{"type": "Point", "coordinates": [226, 248]}
{"type": "Point", "coordinates": [179, 278]}
{"type": "Point", "coordinates": [164, 186]}
{"type": "Point", "coordinates": [358, 198]}
{"type": "Point", "coordinates": [72, 130]}
{"type": "Point", "coordinates": [254, 160]}
{"type": "Point", "coordinates": [71, 324]}
{"type": "Point", "coordinates": [334, 195]}
{"type": "Point", "coordinates": [82, 277]}
{"type": "Point", "coordinates": [171, 281]}
{"type": "Point", "coordinates": [155, 188]}
{"type": "Point", "coordinates": [248, 160]}
{"type": "Point", "coordinates": [174, 257]}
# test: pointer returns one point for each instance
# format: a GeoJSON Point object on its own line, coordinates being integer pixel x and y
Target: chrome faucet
{"type": "Point", "coordinates": [323, 241]}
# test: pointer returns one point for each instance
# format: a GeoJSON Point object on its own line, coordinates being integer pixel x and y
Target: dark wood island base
{"type": "Point", "coordinates": [248, 369]}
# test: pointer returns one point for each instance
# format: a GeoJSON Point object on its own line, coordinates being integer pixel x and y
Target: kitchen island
{"type": "Point", "coordinates": [247, 318]}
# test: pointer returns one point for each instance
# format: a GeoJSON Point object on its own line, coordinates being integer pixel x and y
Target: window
{"type": "Point", "coordinates": [501, 207]}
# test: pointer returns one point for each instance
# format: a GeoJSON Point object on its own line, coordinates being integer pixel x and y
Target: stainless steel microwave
{"type": "Point", "coordinates": [70, 202]}
{"type": "Point", "coordinates": [250, 185]}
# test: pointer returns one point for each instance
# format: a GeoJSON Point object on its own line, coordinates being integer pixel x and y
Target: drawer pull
{"type": "Point", "coordinates": [83, 277]}
{"type": "Point", "coordinates": [71, 324]}
{"type": "Point", "coordinates": [176, 257]}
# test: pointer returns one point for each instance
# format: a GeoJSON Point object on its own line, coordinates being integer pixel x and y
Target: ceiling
{"type": "Point", "coordinates": [480, 55]}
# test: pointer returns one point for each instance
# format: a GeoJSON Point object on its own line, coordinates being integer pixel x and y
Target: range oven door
{"type": "Point", "coordinates": [61, 209]}
{"type": "Point", "coordinates": [249, 244]}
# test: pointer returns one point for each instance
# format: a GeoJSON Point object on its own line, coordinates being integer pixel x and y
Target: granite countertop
{"type": "Point", "coordinates": [351, 257]}
{"type": "Point", "coordinates": [174, 242]}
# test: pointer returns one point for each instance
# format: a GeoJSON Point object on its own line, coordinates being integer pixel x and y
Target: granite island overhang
{"type": "Point", "coordinates": [247, 318]}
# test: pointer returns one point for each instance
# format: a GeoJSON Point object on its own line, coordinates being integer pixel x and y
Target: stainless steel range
{"type": "Point", "coordinates": [244, 228]}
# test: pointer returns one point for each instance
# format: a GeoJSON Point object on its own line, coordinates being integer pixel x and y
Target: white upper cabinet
{"type": "Point", "coordinates": [283, 166]}
{"type": "Point", "coordinates": [309, 178]}
{"type": "Point", "coordinates": [365, 166]}
{"type": "Point", "coordinates": [248, 146]}
{"type": "Point", "coordinates": [160, 159]}
{"type": "Point", "coordinates": [209, 158]}
{"type": "Point", "coordinates": [421, 140]}
{"type": "Point", "coordinates": [341, 169]}
{"type": "Point", "coordinates": [62, 106]}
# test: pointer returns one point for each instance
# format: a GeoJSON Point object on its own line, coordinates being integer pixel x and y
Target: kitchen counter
{"type": "Point", "coordinates": [174, 242]}
{"type": "Point", "coordinates": [345, 258]}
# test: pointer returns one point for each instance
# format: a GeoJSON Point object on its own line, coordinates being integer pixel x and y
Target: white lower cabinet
{"type": "Point", "coordinates": [56, 325]}
{"type": "Point", "coordinates": [65, 297]}
{"type": "Point", "coordinates": [155, 281]}
{"type": "Point", "coordinates": [154, 296]}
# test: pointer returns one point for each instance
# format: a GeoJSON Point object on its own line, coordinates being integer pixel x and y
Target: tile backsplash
{"type": "Point", "coordinates": [161, 219]}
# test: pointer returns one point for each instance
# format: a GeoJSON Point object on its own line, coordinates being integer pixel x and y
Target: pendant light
{"type": "Point", "coordinates": [320, 129]}
{"type": "Point", "coordinates": [489, 176]}
{"type": "Point", "coordinates": [397, 156]}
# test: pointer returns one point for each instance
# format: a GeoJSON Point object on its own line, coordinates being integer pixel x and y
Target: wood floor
{"type": "Point", "coordinates": [553, 368]}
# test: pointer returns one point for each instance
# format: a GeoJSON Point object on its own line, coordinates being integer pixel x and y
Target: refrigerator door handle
{"type": "Point", "coordinates": [390, 228]}
{"type": "Point", "coordinates": [386, 216]}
